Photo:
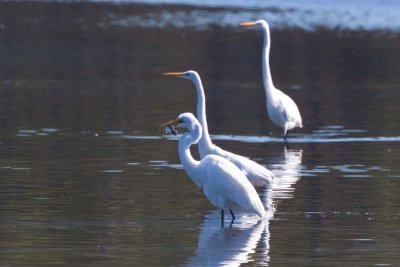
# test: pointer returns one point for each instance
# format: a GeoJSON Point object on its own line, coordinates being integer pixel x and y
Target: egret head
{"type": "Point", "coordinates": [187, 121]}
{"type": "Point", "coordinates": [184, 121]}
{"type": "Point", "coordinates": [189, 75]}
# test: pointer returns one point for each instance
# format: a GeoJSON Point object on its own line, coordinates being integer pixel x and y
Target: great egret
{"type": "Point", "coordinates": [257, 174]}
{"type": "Point", "coordinates": [282, 110]}
{"type": "Point", "coordinates": [223, 183]}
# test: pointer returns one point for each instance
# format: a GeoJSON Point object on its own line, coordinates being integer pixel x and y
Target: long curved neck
{"type": "Point", "coordinates": [205, 140]}
{"type": "Point", "coordinates": [267, 78]}
{"type": "Point", "coordinates": [190, 165]}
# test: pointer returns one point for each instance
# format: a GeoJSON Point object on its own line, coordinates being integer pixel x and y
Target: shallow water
{"type": "Point", "coordinates": [87, 180]}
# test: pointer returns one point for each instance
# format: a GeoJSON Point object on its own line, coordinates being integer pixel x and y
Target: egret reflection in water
{"type": "Point", "coordinates": [287, 169]}
{"type": "Point", "coordinates": [231, 246]}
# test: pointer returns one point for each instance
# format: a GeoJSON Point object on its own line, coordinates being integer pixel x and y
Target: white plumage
{"type": "Point", "coordinates": [256, 173]}
{"type": "Point", "coordinates": [281, 109]}
{"type": "Point", "coordinates": [223, 183]}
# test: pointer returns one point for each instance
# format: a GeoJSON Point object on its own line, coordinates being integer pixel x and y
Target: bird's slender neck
{"type": "Point", "coordinates": [267, 78]}
{"type": "Point", "coordinates": [190, 165]}
{"type": "Point", "coordinates": [205, 140]}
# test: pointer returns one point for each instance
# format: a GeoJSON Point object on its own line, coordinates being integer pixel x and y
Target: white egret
{"type": "Point", "coordinates": [223, 183]}
{"type": "Point", "coordinates": [282, 110]}
{"type": "Point", "coordinates": [256, 173]}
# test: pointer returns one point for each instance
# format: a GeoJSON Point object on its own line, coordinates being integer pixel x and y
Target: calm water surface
{"type": "Point", "coordinates": [87, 181]}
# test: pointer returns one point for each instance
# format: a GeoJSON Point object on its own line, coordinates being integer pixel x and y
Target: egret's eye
{"type": "Point", "coordinates": [180, 121]}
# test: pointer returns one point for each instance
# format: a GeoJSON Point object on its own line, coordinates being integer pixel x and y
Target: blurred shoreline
{"type": "Point", "coordinates": [307, 14]}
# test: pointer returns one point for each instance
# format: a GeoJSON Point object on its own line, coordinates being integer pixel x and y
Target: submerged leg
{"type": "Point", "coordinates": [222, 218]}
{"type": "Point", "coordinates": [287, 145]}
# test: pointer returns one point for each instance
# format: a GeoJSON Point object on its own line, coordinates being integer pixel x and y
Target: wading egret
{"type": "Point", "coordinates": [223, 183]}
{"type": "Point", "coordinates": [256, 173]}
{"type": "Point", "coordinates": [282, 110]}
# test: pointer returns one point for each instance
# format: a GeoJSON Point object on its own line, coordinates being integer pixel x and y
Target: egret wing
{"type": "Point", "coordinates": [290, 110]}
{"type": "Point", "coordinates": [257, 174]}
{"type": "Point", "coordinates": [226, 183]}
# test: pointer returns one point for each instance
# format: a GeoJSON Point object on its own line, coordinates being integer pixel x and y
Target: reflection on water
{"type": "Point", "coordinates": [287, 168]}
{"type": "Point", "coordinates": [231, 246]}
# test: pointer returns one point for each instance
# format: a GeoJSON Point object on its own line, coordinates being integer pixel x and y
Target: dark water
{"type": "Point", "coordinates": [86, 180]}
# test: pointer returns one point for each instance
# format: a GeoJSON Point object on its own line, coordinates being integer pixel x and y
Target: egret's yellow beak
{"type": "Point", "coordinates": [171, 122]}
{"type": "Point", "coordinates": [168, 127]}
{"type": "Point", "coordinates": [248, 24]}
{"type": "Point", "coordinates": [173, 74]}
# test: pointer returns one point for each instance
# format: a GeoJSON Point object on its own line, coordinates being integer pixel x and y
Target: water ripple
{"type": "Point", "coordinates": [268, 139]}
{"type": "Point", "coordinates": [159, 164]}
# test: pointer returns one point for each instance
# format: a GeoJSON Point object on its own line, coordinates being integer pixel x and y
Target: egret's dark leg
{"type": "Point", "coordinates": [287, 145]}
{"type": "Point", "coordinates": [222, 218]}
{"type": "Point", "coordinates": [233, 216]}
{"type": "Point", "coordinates": [285, 136]}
